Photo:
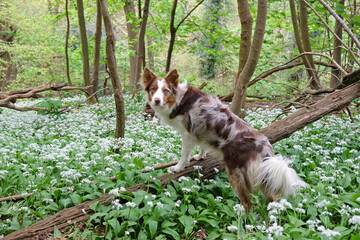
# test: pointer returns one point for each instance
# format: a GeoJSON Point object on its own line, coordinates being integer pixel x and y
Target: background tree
{"type": "Point", "coordinates": [132, 29]}
{"type": "Point", "coordinates": [84, 49]}
{"type": "Point", "coordinates": [97, 46]}
{"type": "Point", "coordinates": [238, 103]}
{"type": "Point", "coordinates": [335, 73]}
{"type": "Point", "coordinates": [140, 52]}
{"type": "Point", "coordinates": [111, 61]}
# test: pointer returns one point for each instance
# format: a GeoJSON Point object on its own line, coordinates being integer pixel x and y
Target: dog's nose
{"type": "Point", "coordinates": [157, 100]}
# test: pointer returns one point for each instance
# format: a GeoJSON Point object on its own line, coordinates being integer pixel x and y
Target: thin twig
{"type": "Point", "coordinates": [159, 166]}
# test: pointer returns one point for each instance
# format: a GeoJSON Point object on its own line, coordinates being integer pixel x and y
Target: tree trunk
{"type": "Point", "coordinates": [7, 69]}
{"type": "Point", "coordinates": [275, 132]}
{"type": "Point", "coordinates": [140, 52]}
{"type": "Point", "coordinates": [335, 73]}
{"type": "Point", "coordinates": [84, 49]}
{"type": "Point", "coordinates": [111, 61]}
{"type": "Point", "coordinates": [298, 39]}
{"type": "Point", "coordinates": [246, 20]}
{"type": "Point", "coordinates": [150, 53]}
{"type": "Point", "coordinates": [67, 42]}
{"type": "Point", "coordinates": [95, 72]}
{"type": "Point", "coordinates": [305, 39]}
{"type": "Point", "coordinates": [129, 9]}
{"type": "Point", "coordinates": [238, 102]}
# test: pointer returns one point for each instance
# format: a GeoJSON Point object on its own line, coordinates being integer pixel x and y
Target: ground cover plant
{"type": "Point", "coordinates": [56, 156]}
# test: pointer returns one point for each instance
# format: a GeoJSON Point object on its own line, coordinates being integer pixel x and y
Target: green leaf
{"type": "Point", "coordinates": [213, 235]}
{"type": "Point", "coordinates": [114, 223]}
{"type": "Point", "coordinates": [152, 227]}
{"type": "Point", "coordinates": [212, 222]}
{"type": "Point", "coordinates": [142, 236]}
{"type": "Point", "coordinates": [167, 223]}
{"type": "Point", "coordinates": [57, 233]}
{"type": "Point", "coordinates": [75, 198]}
{"type": "Point", "coordinates": [171, 232]}
{"type": "Point", "coordinates": [188, 223]}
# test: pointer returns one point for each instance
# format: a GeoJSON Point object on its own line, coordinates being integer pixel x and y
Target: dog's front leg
{"type": "Point", "coordinates": [201, 154]}
{"type": "Point", "coordinates": [186, 149]}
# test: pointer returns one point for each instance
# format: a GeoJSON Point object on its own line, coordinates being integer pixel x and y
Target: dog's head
{"type": "Point", "coordinates": [161, 92]}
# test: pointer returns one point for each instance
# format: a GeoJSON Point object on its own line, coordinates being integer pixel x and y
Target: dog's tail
{"type": "Point", "coordinates": [275, 175]}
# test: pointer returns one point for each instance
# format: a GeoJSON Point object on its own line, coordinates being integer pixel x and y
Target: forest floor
{"type": "Point", "coordinates": [47, 154]}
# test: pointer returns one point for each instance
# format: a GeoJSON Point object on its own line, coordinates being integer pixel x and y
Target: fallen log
{"type": "Point", "coordinates": [210, 166]}
{"type": "Point", "coordinates": [7, 99]}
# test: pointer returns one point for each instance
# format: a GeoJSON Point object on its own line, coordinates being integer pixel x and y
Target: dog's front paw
{"type": "Point", "coordinates": [197, 157]}
{"type": "Point", "coordinates": [177, 168]}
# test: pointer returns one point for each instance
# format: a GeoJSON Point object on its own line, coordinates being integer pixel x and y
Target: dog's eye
{"type": "Point", "coordinates": [152, 89]}
{"type": "Point", "coordinates": [166, 91]}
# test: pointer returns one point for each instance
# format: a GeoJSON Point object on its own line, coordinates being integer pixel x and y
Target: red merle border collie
{"type": "Point", "coordinates": [202, 120]}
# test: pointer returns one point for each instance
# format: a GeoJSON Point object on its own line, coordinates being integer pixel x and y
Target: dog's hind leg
{"type": "Point", "coordinates": [186, 149]}
{"type": "Point", "coordinates": [240, 183]}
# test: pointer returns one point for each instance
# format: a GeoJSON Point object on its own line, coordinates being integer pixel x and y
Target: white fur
{"type": "Point", "coordinates": [278, 176]}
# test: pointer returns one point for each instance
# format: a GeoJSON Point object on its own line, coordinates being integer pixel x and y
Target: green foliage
{"type": "Point", "coordinates": [52, 105]}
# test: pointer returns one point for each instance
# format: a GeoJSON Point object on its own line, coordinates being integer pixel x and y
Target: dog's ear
{"type": "Point", "coordinates": [173, 77]}
{"type": "Point", "coordinates": [148, 77]}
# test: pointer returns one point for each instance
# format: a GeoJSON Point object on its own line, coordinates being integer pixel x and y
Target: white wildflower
{"type": "Point", "coordinates": [328, 232]}
{"type": "Point", "coordinates": [239, 209]}
{"type": "Point", "coordinates": [232, 228]}
{"type": "Point", "coordinates": [355, 220]}
{"type": "Point", "coordinates": [130, 204]}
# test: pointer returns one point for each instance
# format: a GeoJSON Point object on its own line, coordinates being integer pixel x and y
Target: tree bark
{"type": "Point", "coordinates": [111, 61]}
{"type": "Point", "coordinates": [97, 45]}
{"type": "Point", "coordinates": [238, 102]}
{"type": "Point", "coordinates": [84, 48]}
{"type": "Point", "coordinates": [129, 9]}
{"type": "Point", "coordinates": [246, 21]}
{"type": "Point", "coordinates": [67, 42]}
{"type": "Point", "coordinates": [210, 166]}
{"type": "Point", "coordinates": [298, 38]}
{"type": "Point", "coordinates": [335, 73]}
{"type": "Point", "coordinates": [150, 53]}
{"type": "Point", "coordinates": [140, 52]}
{"type": "Point", "coordinates": [305, 39]}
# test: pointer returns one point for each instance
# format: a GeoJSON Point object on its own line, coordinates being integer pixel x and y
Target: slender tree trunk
{"type": "Point", "coordinates": [246, 20]}
{"type": "Point", "coordinates": [129, 9]}
{"type": "Point", "coordinates": [150, 53]}
{"type": "Point", "coordinates": [97, 44]}
{"type": "Point", "coordinates": [238, 102]}
{"type": "Point", "coordinates": [305, 39]}
{"type": "Point", "coordinates": [111, 61]}
{"type": "Point", "coordinates": [140, 56]}
{"type": "Point", "coordinates": [67, 42]}
{"type": "Point", "coordinates": [336, 74]}
{"type": "Point", "coordinates": [298, 39]}
{"type": "Point", "coordinates": [84, 49]}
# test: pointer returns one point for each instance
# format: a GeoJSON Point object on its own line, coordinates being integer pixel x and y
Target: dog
{"type": "Point", "coordinates": [203, 120]}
